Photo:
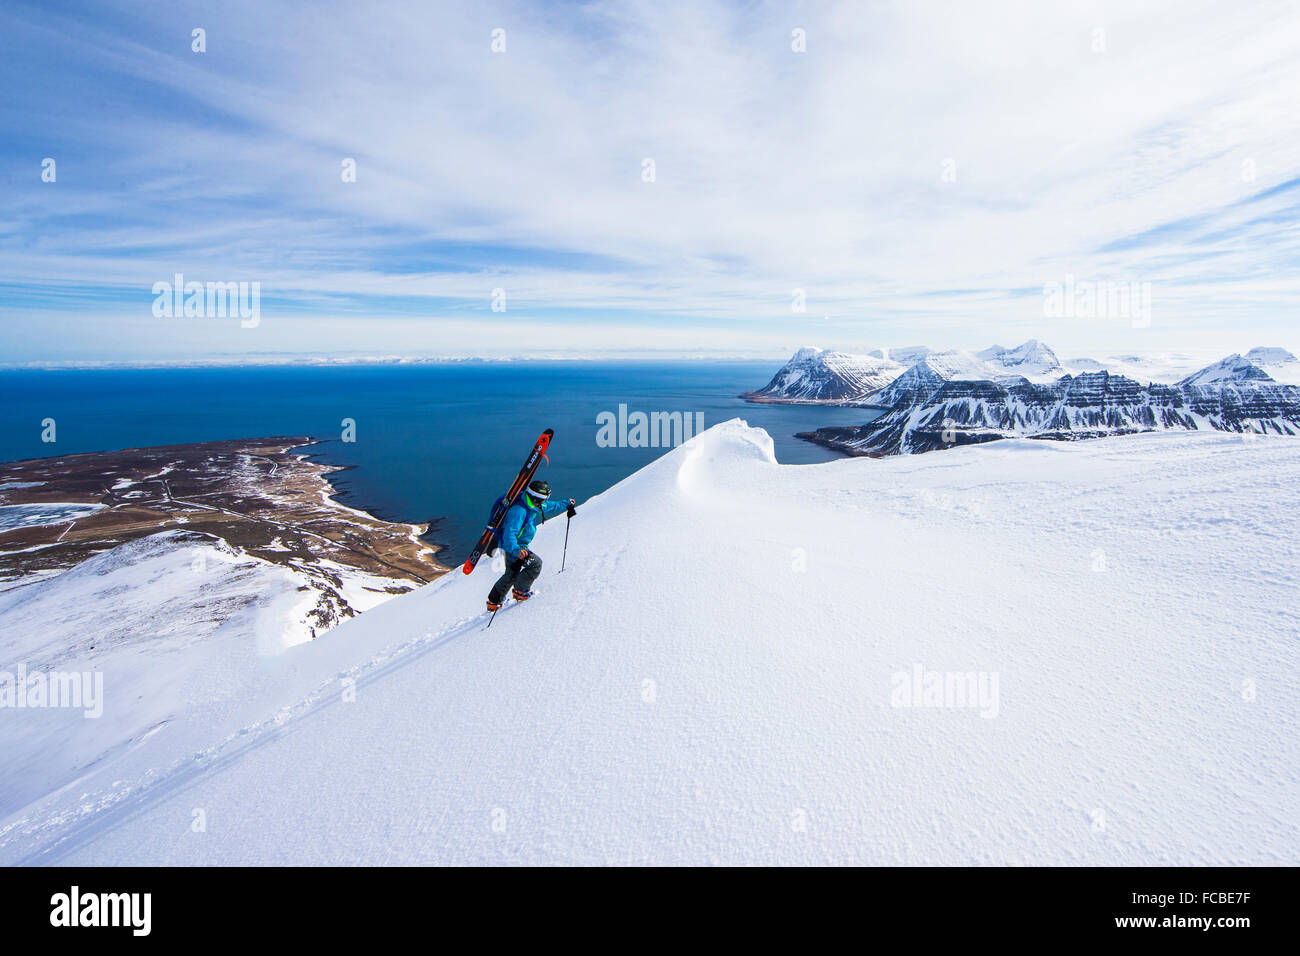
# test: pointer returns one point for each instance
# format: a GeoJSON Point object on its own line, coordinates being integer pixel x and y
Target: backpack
{"type": "Point", "coordinates": [497, 515]}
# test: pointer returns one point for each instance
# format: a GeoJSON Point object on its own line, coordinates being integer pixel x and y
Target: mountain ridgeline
{"type": "Point", "coordinates": [823, 377]}
{"type": "Point", "coordinates": [939, 399]}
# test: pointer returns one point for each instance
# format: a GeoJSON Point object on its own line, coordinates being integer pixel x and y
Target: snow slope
{"type": "Point", "coordinates": [158, 617]}
{"type": "Point", "coordinates": [716, 679]}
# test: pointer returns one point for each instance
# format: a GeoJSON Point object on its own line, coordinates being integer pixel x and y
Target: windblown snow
{"type": "Point", "coordinates": [1017, 653]}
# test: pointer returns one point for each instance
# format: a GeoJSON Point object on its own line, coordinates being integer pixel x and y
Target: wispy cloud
{"type": "Point", "coordinates": [919, 171]}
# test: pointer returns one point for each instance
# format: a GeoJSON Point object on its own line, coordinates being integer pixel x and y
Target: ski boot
{"type": "Point", "coordinates": [492, 608]}
{"type": "Point", "coordinates": [519, 595]}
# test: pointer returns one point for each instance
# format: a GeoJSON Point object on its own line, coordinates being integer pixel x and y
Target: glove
{"type": "Point", "coordinates": [523, 554]}
{"type": "Point", "coordinates": [572, 510]}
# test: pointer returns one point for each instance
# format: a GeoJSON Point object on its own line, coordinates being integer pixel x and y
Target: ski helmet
{"type": "Point", "coordinates": [539, 490]}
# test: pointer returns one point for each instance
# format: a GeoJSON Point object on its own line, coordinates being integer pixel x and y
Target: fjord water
{"type": "Point", "coordinates": [432, 441]}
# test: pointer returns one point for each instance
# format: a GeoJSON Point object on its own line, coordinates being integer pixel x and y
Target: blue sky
{"type": "Point", "coordinates": [920, 171]}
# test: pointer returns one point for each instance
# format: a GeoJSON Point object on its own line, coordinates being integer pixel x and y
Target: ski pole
{"type": "Point", "coordinates": [564, 557]}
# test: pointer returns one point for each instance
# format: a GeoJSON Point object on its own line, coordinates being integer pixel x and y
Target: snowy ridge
{"type": "Point", "coordinates": [819, 376]}
{"type": "Point", "coordinates": [1033, 358]}
{"type": "Point", "coordinates": [1280, 364]}
{"type": "Point", "coordinates": [906, 355]}
{"type": "Point", "coordinates": [885, 377]}
{"type": "Point", "coordinates": [1242, 371]}
{"type": "Point", "coordinates": [933, 406]}
{"type": "Point", "coordinates": [930, 373]}
{"type": "Point", "coordinates": [717, 678]}
{"type": "Point", "coordinates": [960, 364]}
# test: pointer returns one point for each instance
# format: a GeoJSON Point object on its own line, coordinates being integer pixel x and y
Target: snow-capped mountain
{"type": "Point", "coordinates": [1165, 368]}
{"type": "Point", "coordinates": [823, 377]}
{"type": "Point", "coordinates": [1234, 370]}
{"type": "Point", "coordinates": [750, 663]}
{"type": "Point", "coordinates": [887, 376]}
{"type": "Point", "coordinates": [919, 381]}
{"type": "Point", "coordinates": [931, 372]}
{"type": "Point", "coordinates": [904, 355]}
{"type": "Point", "coordinates": [1031, 359]}
{"type": "Point", "coordinates": [1259, 366]}
{"type": "Point", "coordinates": [1265, 355]}
{"type": "Point", "coordinates": [817, 376]}
{"type": "Point", "coordinates": [929, 413]}
{"type": "Point", "coordinates": [1279, 363]}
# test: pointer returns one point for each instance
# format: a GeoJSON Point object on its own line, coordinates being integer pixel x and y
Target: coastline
{"type": "Point", "coordinates": [416, 531]}
{"type": "Point", "coordinates": [834, 444]}
{"type": "Point", "coordinates": [285, 514]}
{"type": "Point", "coordinates": [755, 398]}
{"type": "Point", "coordinates": [815, 436]}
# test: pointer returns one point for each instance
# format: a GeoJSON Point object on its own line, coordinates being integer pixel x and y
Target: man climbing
{"type": "Point", "coordinates": [517, 530]}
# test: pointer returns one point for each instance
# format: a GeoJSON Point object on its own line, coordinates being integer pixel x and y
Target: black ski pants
{"type": "Point", "coordinates": [521, 574]}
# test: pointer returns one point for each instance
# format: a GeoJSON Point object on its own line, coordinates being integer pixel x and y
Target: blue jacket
{"type": "Point", "coordinates": [521, 522]}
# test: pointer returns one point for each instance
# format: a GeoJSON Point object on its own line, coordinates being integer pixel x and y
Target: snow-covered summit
{"type": "Point", "coordinates": [1280, 364]}
{"type": "Point", "coordinates": [883, 377]}
{"type": "Point", "coordinates": [822, 376]}
{"type": "Point", "coordinates": [1234, 369]}
{"type": "Point", "coordinates": [961, 364]}
{"type": "Point", "coordinates": [929, 374]}
{"type": "Point", "coordinates": [1030, 359]}
{"type": "Point", "coordinates": [827, 377]}
{"type": "Point", "coordinates": [1265, 355]}
{"type": "Point", "coordinates": [904, 354]}
{"type": "Point", "coordinates": [893, 661]}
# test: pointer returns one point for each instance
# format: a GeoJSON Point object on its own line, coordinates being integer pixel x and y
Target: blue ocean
{"type": "Point", "coordinates": [432, 442]}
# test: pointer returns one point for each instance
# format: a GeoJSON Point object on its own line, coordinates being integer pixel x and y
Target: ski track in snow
{"type": "Point", "coordinates": [115, 808]}
{"type": "Point", "coordinates": [681, 695]}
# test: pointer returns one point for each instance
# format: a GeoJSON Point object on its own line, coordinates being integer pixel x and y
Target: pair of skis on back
{"type": "Point", "coordinates": [535, 458]}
